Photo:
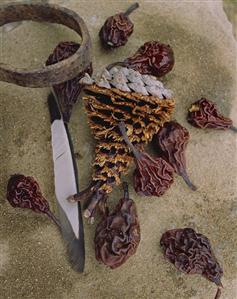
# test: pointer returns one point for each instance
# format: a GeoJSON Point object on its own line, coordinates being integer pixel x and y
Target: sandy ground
{"type": "Point", "coordinates": [33, 262]}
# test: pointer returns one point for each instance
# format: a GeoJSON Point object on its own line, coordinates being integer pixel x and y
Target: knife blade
{"type": "Point", "coordinates": [66, 184]}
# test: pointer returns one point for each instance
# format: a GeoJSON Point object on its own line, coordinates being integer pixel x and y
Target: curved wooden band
{"type": "Point", "coordinates": [52, 74]}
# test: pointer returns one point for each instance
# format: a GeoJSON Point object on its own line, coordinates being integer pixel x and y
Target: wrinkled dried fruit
{"type": "Point", "coordinates": [191, 253]}
{"type": "Point", "coordinates": [117, 29]}
{"type": "Point", "coordinates": [152, 177]}
{"type": "Point", "coordinates": [67, 92]}
{"type": "Point", "coordinates": [24, 192]}
{"type": "Point", "coordinates": [153, 58]}
{"type": "Point", "coordinates": [171, 142]}
{"type": "Point", "coordinates": [118, 234]}
{"type": "Point", "coordinates": [204, 114]}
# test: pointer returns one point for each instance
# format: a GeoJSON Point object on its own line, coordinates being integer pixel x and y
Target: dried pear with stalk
{"type": "Point", "coordinates": [120, 94]}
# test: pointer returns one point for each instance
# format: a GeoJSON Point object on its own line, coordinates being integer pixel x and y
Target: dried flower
{"type": "Point", "coordinates": [67, 92]}
{"type": "Point", "coordinates": [24, 192]}
{"type": "Point", "coordinates": [118, 234]}
{"type": "Point", "coordinates": [116, 29]}
{"type": "Point", "coordinates": [204, 114]}
{"type": "Point", "coordinates": [152, 177]}
{"type": "Point", "coordinates": [171, 142]}
{"type": "Point", "coordinates": [153, 58]}
{"type": "Point", "coordinates": [191, 253]}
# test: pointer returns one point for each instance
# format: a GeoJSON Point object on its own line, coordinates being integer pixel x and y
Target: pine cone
{"type": "Point", "coordinates": [123, 95]}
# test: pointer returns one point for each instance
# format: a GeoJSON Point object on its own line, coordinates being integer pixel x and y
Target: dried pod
{"type": "Point", "coordinates": [116, 29]}
{"type": "Point", "coordinates": [153, 58]}
{"type": "Point", "coordinates": [67, 92]}
{"type": "Point", "coordinates": [171, 142]}
{"type": "Point", "coordinates": [118, 234]}
{"type": "Point", "coordinates": [152, 177]}
{"type": "Point", "coordinates": [24, 192]}
{"type": "Point", "coordinates": [204, 114]}
{"type": "Point", "coordinates": [191, 253]}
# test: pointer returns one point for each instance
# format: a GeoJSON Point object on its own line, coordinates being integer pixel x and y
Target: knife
{"type": "Point", "coordinates": [66, 184]}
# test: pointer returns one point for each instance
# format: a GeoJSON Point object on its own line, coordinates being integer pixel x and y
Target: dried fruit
{"type": "Point", "coordinates": [204, 114]}
{"type": "Point", "coordinates": [152, 177]}
{"type": "Point", "coordinates": [171, 142]}
{"type": "Point", "coordinates": [24, 192]}
{"type": "Point", "coordinates": [67, 92]}
{"type": "Point", "coordinates": [153, 58]}
{"type": "Point", "coordinates": [116, 29]}
{"type": "Point", "coordinates": [191, 253]}
{"type": "Point", "coordinates": [118, 234]}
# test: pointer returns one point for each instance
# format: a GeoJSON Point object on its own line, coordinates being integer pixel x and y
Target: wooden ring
{"type": "Point", "coordinates": [52, 74]}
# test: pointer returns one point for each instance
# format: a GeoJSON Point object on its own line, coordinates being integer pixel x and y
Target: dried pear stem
{"type": "Point", "coordinates": [187, 180]}
{"type": "Point", "coordinates": [125, 190]}
{"type": "Point", "coordinates": [122, 129]}
{"type": "Point", "coordinates": [90, 210]}
{"type": "Point", "coordinates": [86, 193]}
{"type": "Point", "coordinates": [131, 9]}
{"type": "Point", "coordinates": [218, 293]}
{"type": "Point", "coordinates": [234, 129]}
{"type": "Point", "coordinates": [119, 63]}
{"type": "Point", "coordinates": [54, 219]}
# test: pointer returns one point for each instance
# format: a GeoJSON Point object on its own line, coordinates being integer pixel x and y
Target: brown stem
{"type": "Point", "coordinates": [86, 193]}
{"type": "Point", "coordinates": [90, 210]}
{"type": "Point", "coordinates": [131, 9]}
{"type": "Point", "coordinates": [218, 293]}
{"type": "Point", "coordinates": [54, 219]}
{"type": "Point", "coordinates": [125, 190]}
{"type": "Point", "coordinates": [187, 180]}
{"type": "Point", "coordinates": [123, 132]}
{"type": "Point", "coordinates": [102, 206]}
{"type": "Point", "coordinates": [234, 129]}
{"type": "Point", "coordinates": [119, 63]}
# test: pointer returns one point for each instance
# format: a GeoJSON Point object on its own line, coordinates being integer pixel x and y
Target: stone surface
{"type": "Point", "coordinates": [33, 258]}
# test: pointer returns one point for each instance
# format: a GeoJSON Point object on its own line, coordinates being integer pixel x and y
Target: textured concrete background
{"type": "Point", "coordinates": [33, 262]}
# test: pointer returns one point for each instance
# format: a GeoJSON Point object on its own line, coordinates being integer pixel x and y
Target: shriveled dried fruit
{"type": "Point", "coordinates": [24, 192]}
{"type": "Point", "coordinates": [171, 142]}
{"type": "Point", "coordinates": [118, 234]}
{"type": "Point", "coordinates": [152, 177]}
{"type": "Point", "coordinates": [116, 29]}
{"type": "Point", "coordinates": [204, 114]}
{"type": "Point", "coordinates": [67, 92]}
{"type": "Point", "coordinates": [153, 58]}
{"type": "Point", "coordinates": [191, 253]}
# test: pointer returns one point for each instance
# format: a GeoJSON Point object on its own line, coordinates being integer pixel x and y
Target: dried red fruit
{"type": "Point", "coordinates": [204, 114]}
{"type": "Point", "coordinates": [153, 58]}
{"type": "Point", "coordinates": [118, 234]}
{"type": "Point", "coordinates": [191, 253]}
{"type": "Point", "coordinates": [67, 92]}
{"type": "Point", "coordinates": [116, 29]}
{"type": "Point", "coordinates": [24, 192]}
{"type": "Point", "coordinates": [152, 177]}
{"type": "Point", "coordinates": [171, 142]}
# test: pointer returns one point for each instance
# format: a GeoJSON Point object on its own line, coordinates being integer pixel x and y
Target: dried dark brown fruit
{"type": "Point", "coordinates": [118, 234]}
{"type": "Point", "coordinates": [153, 58]}
{"type": "Point", "coordinates": [116, 29]}
{"type": "Point", "coordinates": [152, 177]}
{"type": "Point", "coordinates": [204, 114]}
{"type": "Point", "coordinates": [24, 192]}
{"type": "Point", "coordinates": [191, 253]}
{"type": "Point", "coordinates": [171, 142]}
{"type": "Point", "coordinates": [67, 92]}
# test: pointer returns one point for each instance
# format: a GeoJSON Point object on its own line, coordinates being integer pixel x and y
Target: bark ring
{"type": "Point", "coordinates": [52, 74]}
